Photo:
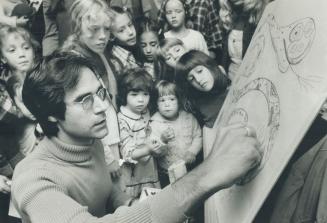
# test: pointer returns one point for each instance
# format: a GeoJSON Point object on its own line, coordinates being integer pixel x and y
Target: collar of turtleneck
{"type": "Point", "coordinates": [67, 152]}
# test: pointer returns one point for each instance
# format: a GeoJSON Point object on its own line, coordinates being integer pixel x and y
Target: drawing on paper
{"type": "Point", "coordinates": [266, 125]}
{"type": "Point", "coordinates": [279, 90]}
{"type": "Point", "coordinates": [291, 45]}
{"type": "Point", "coordinates": [254, 55]}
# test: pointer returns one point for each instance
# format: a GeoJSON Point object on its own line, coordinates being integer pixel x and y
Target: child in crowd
{"type": "Point", "coordinates": [137, 148]}
{"type": "Point", "coordinates": [204, 17]}
{"type": "Point", "coordinates": [171, 49]}
{"type": "Point", "coordinates": [17, 136]}
{"type": "Point", "coordinates": [91, 22]}
{"type": "Point", "coordinates": [148, 43]}
{"type": "Point", "coordinates": [176, 127]}
{"type": "Point", "coordinates": [205, 84]}
{"type": "Point", "coordinates": [124, 49]}
{"type": "Point", "coordinates": [176, 18]}
{"type": "Point", "coordinates": [18, 53]}
{"type": "Point", "coordinates": [239, 19]}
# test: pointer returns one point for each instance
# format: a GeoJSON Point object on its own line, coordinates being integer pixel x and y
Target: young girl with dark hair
{"type": "Point", "coordinates": [136, 147]}
{"type": "Point", "coordinates": [148, 41]}
{"type": "Point", "coordinates": [205, 84]}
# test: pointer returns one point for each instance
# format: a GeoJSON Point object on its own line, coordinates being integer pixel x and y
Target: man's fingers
{"type": "Point", "coordinates": [256, 153]}
{"type": "Point", "coordinates": [244, 130]}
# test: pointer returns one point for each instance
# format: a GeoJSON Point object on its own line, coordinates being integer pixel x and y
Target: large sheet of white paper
{"type": "Point", "coordinates": [281, 86]}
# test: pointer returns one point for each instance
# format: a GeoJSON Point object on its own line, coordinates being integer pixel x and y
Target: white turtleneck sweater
{"type": "Point", "coordinates": [64, 184]}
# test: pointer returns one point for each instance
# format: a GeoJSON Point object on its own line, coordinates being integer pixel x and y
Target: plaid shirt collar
{"type": "Point", "coordinates": [126, 57]}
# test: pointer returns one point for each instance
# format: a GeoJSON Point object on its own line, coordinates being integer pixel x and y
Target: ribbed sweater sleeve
{"type": "Point", "coordinates": [41, 199]}
{"type": "Point", "coordinates": [48, 189]}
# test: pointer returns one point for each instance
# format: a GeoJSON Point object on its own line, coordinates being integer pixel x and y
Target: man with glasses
{"type": "Point", "coordinates": [65, 178]}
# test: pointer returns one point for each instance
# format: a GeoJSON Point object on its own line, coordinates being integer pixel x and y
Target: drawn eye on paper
{"type": "Point", "coordinates": [266, 121]}
{"type": "Point", "coordinates": [300, 40]}
{"type": "Point", "coordinates": [292, 43]}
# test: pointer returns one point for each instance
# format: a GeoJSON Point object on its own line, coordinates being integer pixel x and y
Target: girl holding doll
{"type": "Point", "coordinates": [136, 147]}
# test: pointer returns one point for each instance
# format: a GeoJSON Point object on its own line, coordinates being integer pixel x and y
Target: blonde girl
{"type": "Point", "coordinates": [18, 54]}
{"type": "Point", "coordinates": [175, 127]}
{"type": "Point", "coordinates": [91, 24]}
{"type": "Point", "coordinates": [175, 14]}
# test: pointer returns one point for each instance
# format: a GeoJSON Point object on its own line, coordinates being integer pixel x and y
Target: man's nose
{"type": "Point", "coordinates": [99, 105]}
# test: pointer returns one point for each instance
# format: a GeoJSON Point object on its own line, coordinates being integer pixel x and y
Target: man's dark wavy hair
{"type": "Point", "coordinates": [46, 85]}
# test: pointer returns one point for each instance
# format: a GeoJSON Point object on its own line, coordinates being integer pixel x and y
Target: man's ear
{"type": "Point", "coordinates": [52, 119]}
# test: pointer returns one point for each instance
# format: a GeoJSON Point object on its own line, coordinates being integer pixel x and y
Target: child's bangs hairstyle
{"type": "Point", "coordinates": [164, 88]}
{"type": "Point", "coordinates": [83, 11]}
{"type": "Point", "coordinates": [135, 79]}
{"type": "Point", "coordinates": [195, 58]}
{"type": "Point", "coordinates": [5, 30]}
{"type": "Point", "coordinates": [166, 44]}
